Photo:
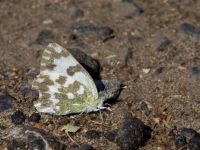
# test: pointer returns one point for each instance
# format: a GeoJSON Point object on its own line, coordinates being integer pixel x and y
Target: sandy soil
{"type": "Point", "coordinates": [159, 65]}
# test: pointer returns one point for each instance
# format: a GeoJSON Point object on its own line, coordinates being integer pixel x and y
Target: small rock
{"type": "Point", "coordinates": [186, 138]}
{"type": "Point", "coordinates": [95, 29]}
{"type": "Point", "coordinates": [163, 44]}
{"type": "Point", "coordinates": [128, 1]}
{"type": "Point", "coordinates": [35, 117]}
{"type": "Point", "coordinates": [85, 146]}
{"type": "Point", "coordinates": [28, 92]}
{"type": "Point", "coordinates": [159, 70]}
{"type": "Point", "coordinates": [31, 74]}
{"type": "Point", "coordinates": [131, 131]}
{"type": "Point", "coordinates": [188, 30]}
{"type": "Point", "coordinates": [26, 137]}
{"type": "Point", "coordinates": [110, 135]}
{"type": "Point", "coordinates": [146, 70]}
{"type": "Point", "coordinates": [44, 36]}
{"type": "Point", "coordinates": [47, 21]}
{"type": "Point", "coordinates": [89, 63]}
{"type": "Point", "coordinates": [127, 56]}
{"type": "Point", "coordinates": [195, 70]}
{"type": "Point", "coordinates": [18, 117]}
{"type": "Point", "coordinates": [181, 144]}
{"type": "Point", "coordinates": [6, 102]}
{"type": "Point", "coordinates": [92, 134]}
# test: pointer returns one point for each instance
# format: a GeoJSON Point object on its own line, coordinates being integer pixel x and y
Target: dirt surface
{"type": "Point", "coordinates": [138, 42]}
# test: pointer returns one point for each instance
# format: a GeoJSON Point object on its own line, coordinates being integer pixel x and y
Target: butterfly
{"type": "Point", "coordinates": [65, 87]}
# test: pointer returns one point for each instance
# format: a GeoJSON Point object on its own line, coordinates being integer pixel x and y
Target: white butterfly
{"type": "Point", "coordinates": [65, 87]}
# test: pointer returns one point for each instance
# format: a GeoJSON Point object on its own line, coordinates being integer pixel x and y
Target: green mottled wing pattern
{"type": "Point", "coordinates": [64, 86]}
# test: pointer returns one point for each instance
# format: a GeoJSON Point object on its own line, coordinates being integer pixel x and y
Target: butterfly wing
{"type": "Point", "coordinates": [64, 85]}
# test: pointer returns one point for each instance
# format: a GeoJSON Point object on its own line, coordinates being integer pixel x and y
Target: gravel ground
{"type": "Point", "coordinates": [151, 46]}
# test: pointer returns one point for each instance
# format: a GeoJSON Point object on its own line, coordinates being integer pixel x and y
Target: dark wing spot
{"type": "Point", "coordinates": [61, 80]}
{"type": "Point", "coordinates": [73, 69]}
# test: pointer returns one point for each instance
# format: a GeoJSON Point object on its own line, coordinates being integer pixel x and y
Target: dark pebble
{"type": "Point", "coordinates": [85, 146]}
{"type": "Point", "coordinates": [26, 137]}
{"type": "Point", "coordinates": [159, 70]}
{"type": "Point", "coordinates": [31, 74]}
{"type": "Point", "coordinates": [6, 102]}
{"type": "Point", "coordinates": [110, 135]}
{"type": "Point", "coordinates": [195, 70]}
{"type": "Point", "coordinates": [128, 1]}
{"type": "Point", "coordinates": [89, 63]}
{"type": "Point", "coordinates": [127, 56]}
{"type": "Point", "coordinates": [187, 138]}
{"type": "Point", "coordinates": [189, 30]}
{"type": "Point", "coordinates": [132, 133]}
{"type": "Point", "coordinates": [44, 36]}
{"type": "Point", "coordinates": [92, 134]}
{"type": "Point", "coordinates": [27, 91]}
{"type": "Point", "coordinates": [99, 30]}
{"type": "Point", "coordinates": [35, 117]}
{"type": "Point", "coordinates": [18, 117]}
{"type": "Point", "coordinates": [163, 44]}
{"type": "Point", "coordinates": [181, 144]}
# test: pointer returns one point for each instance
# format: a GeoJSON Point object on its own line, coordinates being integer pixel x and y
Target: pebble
{"type": "Point", "coordinates": [18, 117]}
{"type": "Point", "coordinates": [127, 56]}
{"type": "Point", "coordinates": [29, 92]}
{"type": "Point", "coordinates": [186, 138]}
{"type": "Point", "coordinates": [163, 44]}
{"type": "Point", "coordinates": [104, 31]}
{"type": "Point", "coordinates": [31, 74]}
{"type": "Point", "coordinates": [26, 137]}
{"type": "Point", "coordinates": [6, 102]}
{"type": "Point", "coordinates": [195, 70]}
{"type": "Point", "coordinates": [189, 30]}
{"type": "Point", "coordinates": [44, 36]}
{"type": "Point", "coordinates": [110, 135]}
{"type": "Point", "coordinates": [132, 132]}
{"type": "Point", "coordinates": [159, 70]}
{"type": "Point", "coordinates": [47, 21]}
{"type": "Point", "coordinates": [35, 117]}
{"type": "Point", "coordinates": [89, 63]}
{"type": "Point", "coordinates": [128, 1]}
{"type": "Point", "coordinates": [85, 146]}
{"type": "Point", "coordinates": [92, 134]}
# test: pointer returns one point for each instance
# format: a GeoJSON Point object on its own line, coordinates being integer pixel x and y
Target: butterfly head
{"type": "Point", "coordinates": [108, 89]}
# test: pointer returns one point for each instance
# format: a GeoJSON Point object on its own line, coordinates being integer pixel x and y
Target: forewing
{"type": "Point", "coordinates": [62, 81]}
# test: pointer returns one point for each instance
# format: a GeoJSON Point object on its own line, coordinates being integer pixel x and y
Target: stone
{"type": "Point", "coordinates": [6, 102]}
{"type": "Point", "coordinates": [186, 139]}
{"type": "Point", "coordinates": [18, 117]}
{"type": "Point", "coordinates": [189, 30]}
{"type": "Point", "coordinates": [89, 63]}
{"type": "Point", "coordinates": [26, 137]}
{"type": "Point", "coordinates": [110, 135]}
{"type": "Point", "coordinates": [85, 146]}
{"type": "Point", "coordinates": [44, 36]}
{"type": "Point", "coordinates": [132, 132]}
{"type": "Point", "coordinates": [92, 134]}
{"type": "Point", "coordinates": [163, 44]}
{"type": "Point", "coordinates": [101, 31]}
{"type": "Point", "coordinates": [35, 117]}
